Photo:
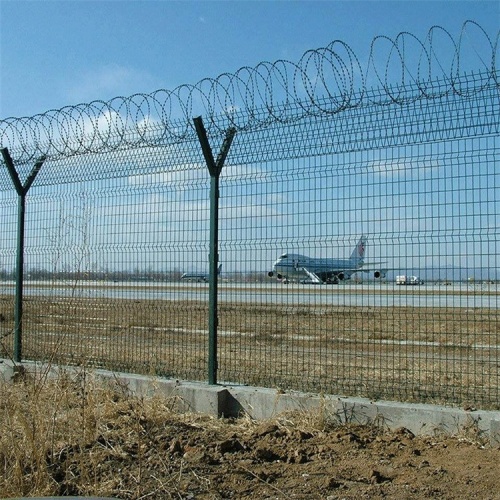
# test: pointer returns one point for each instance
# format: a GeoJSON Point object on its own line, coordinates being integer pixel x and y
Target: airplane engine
{"type": "Point", "coordinates": [270, 274]}
{"type": "Point", "coordinates": [380, 274]}
{"type": "Point", "coordinates": [341, 276]}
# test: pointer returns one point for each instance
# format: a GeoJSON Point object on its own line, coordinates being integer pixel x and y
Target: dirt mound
{"type": "Point", "coordinates": [68, 439]}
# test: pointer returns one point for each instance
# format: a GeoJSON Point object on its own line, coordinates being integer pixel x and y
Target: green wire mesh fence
{"type": "Point", "coordinates": [358, 227]}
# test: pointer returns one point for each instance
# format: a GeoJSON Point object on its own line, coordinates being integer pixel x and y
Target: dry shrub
{"type": "Point", "coordinates": [79, 435]}
{"type": "Point", "coordinates": [64, 436]}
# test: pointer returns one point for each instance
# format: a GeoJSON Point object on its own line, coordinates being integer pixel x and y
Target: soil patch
{"type": "Point", "coordinates": [74, 437]}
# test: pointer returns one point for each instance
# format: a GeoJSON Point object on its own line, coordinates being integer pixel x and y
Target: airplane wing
{"type": "Point", "coordinates": [346, 274]}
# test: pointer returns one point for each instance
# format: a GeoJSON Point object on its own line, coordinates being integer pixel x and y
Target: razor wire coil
{"type": "Point", "coordinates": [324, 81]}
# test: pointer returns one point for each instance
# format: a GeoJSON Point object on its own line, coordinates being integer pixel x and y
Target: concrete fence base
{"type": "Point", "coordinates": [231, 400]}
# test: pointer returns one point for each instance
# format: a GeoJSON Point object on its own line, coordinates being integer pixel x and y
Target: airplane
{"type": "Point", "coordinates": [198, 276]}
{"type": "Point", "coordinates": [318, 271]}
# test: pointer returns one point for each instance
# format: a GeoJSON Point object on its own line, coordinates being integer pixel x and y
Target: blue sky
{"type": "Point", "coordinates": [58, 53]}
{"type": "Point", "coordinates": [62, 53]}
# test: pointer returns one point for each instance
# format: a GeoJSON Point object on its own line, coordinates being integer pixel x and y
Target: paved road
{"type": "Point", "coordinates": [366, 295]}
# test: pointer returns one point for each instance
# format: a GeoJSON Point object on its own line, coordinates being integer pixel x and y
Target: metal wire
{"type": "Point", "coordinates": [324, 81]}
{"type": "Point", "coordinates": [324, 153]}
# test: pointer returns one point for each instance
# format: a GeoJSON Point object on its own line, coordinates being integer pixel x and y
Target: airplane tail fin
{"type": "Point", "coordinates": [358, 254]}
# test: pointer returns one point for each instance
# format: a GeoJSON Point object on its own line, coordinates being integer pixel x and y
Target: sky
{"type": "Point", "coordinates": [59, 53]}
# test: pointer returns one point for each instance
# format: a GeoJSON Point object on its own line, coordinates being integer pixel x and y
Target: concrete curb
{"type": "Point", "coordinates": [230, 400]}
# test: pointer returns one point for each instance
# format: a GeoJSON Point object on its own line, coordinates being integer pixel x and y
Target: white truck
{"type": "Point", "coordinates": [408, 280]}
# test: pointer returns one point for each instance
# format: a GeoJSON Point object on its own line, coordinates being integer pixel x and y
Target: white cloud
{"type": "Point", "coordinates": [399, 165]}
{"type": "Point", "coordinates": [109, 81]}
{"type": "Point", "coordinates": [184, 177]}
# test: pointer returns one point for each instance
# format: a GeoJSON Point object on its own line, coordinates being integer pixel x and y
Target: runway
{"type": "Point", "coordinates": [461, 295]}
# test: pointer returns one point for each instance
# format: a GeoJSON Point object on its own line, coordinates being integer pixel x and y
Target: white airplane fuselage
{"type": "Point", "coordinates": [322, 270]}
{"type": "Point", "coordinates": [298, 266]}
{"type": "Point", "coordinates": [199, 277]}
{"type": "Point", "coordinates": [195, 277]}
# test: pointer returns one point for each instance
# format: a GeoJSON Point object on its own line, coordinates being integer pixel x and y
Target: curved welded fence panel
{"type": "Point", "coordinates": [417, 188]}
{"type": "Point", "coordinates": [105, 250]}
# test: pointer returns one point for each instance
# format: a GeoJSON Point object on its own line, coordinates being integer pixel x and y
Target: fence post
{"type": "Point", "coordinates": [21, 190]}
{"type": "Point", "coordinates": [214, 168]}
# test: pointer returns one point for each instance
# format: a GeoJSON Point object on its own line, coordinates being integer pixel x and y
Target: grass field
{"type": "Point", "coordinates": [440, 355]}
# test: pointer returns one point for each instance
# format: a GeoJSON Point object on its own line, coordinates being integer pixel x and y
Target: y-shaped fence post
{"type": "Point", "coordinates": [215, 168]}
{"type": "Point", "coordinates": [22, 190]}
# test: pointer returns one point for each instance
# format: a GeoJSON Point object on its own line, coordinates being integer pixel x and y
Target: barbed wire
{"type": "Point", "coordinates": [324, 81]}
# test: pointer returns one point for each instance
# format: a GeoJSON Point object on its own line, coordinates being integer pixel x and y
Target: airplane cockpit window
{"type": "Point", "coordinates": [284, 256]}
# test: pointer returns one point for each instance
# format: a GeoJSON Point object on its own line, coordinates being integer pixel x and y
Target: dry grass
{"type": "Point", "coordinates": [79, 436]}
{"type": "Point", "coordinates": [413, 354]}
{"type": "Point", "coordinates": [61, 437]}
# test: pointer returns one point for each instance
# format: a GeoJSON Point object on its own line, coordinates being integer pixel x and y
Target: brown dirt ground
{"type": "Point", "coordinates": [192, 460]}
{"type": "Point", "coordinates": [73, 439]}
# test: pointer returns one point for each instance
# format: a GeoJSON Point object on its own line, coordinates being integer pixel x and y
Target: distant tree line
{"type": "Point", "coordinates": [40, 274]}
